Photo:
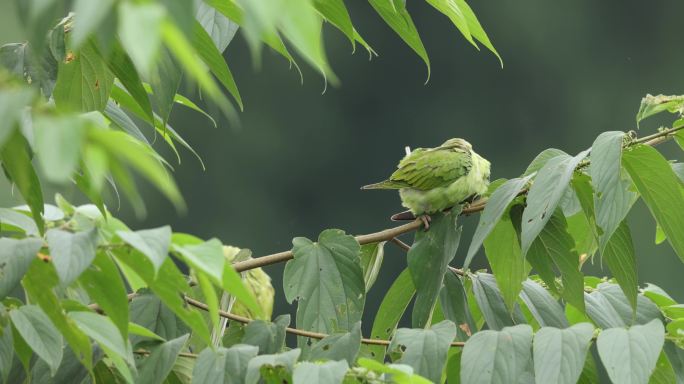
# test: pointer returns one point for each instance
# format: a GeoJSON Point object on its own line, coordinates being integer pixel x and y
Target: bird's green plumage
{"type": "Point", "coordinates": [432, 179]}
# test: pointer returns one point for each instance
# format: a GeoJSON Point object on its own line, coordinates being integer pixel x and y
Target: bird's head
{"type": "Point", "coordinates": [457, 144]}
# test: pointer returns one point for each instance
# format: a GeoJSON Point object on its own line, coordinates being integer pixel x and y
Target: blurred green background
{"type": "Point", "coordinates": [295, 165]}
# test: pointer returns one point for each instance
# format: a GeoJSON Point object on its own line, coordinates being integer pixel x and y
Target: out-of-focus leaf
{"type": "Point", "coordinates": [545, 194]}
{"type": "Point", "coordinates": [269, 337]}
{"type": "Point", "coordinates": [343, 346]}
{"type": "Point", "coordinates": [71, 253]}
{"type": "Point", "coordinates": [15, 258]}
{"type": "Point", "coordinates": [661, 190]}
{"type": "Point", "coordinates": [371, 261]}
{"type": "Point", "coordinates": [399, 373]}
{"type": "Point", "coordinates": [140, 33]}
{"type": "Point", "coordinates": [496, 356]}
{"type": "Point", "coordinates": [218, 26]}
{"type": "Point", "coordinates": [630, 356]}
{"type": "Point", "coordinates": [453, 301]}
{"type": "Point", "coordinates": [165, 80]}
{"type": "Point", "coordinates": [559, 354]}
{"type": "Point", "coordinates": [121, 119]}
{"type": "Point", "coordinates": [38, 332]}
{"type": "Point", "coordinates": [153, 243]}
{"type": "Point", "coordinates": [544, 307]}
{"type": "Point", "coordinates": [155, 367]}
{"type": "Point", "coordinates": [12, 104]}
{"type": "Point", "coordinates": [389, 313]}
{"type": "Point", "coordinates": [16, 162]}
{"type": "Point", "coordinates": [285, 359]}
{"type": "Point", "coordinates": [330, 372]}
{"type": "Point", "coordinates": [10, 219]}
{"type": "Point", "coordinates": [89, 15]}
{"type": "Point", "coordinates": [327, 280]}
{"type": "Point", "coordinates": [6, 352]}
{"type": "Point", "coordinates": [491, 303]}
{"type": "Point", "coordinates": [428, 259]}
{"type": "Point", "coordinates": [621, 260]}
{"type": "Point", "coordinates": [58, 145]}
{"type": "Point", "coordinates": [397, 17]}
{"type": "Point", "coordinates": [651, 105]}
{"type": "Point", "coordinates": [425, 350]}
{"type": "Point", "coordinates": [496, 206]}
{"type": "Point", "coordinates": [84, 81]}
{"type": "Point", "coordinates": [224, 365]}
{"type": "Point", "coordinates": [123, 68]}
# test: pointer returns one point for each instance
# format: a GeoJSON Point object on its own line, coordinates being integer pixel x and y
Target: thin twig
{"type": "Point", "coordinates": [183, 354]}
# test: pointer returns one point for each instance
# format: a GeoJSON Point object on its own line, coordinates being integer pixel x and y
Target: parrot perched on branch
{"type": "Point", "coordinates": [430, 180]}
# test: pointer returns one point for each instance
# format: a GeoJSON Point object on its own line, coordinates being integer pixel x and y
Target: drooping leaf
{"type": "Point", "coordinates": [218, 26]}
{"type": "Point", "coordinates": [661, 190]}
{"type": "Point", "coordinates": [496, 206]}
{"type": "Point", "coordinates": [269, 337]}
{"type": "Point", "coordinates": [140, 33]}
{"type": "Point", "coordinates": [38, 332]}
{"type": "Point", "coordinates": [15, 258]}
{"type": "Point", "coordinates": [119, 118]}
{"type": "Point", "coordinates": [453, 301]}
{"type": "Point", "coordinates": [491, 303]}
{"type": "Point", "coordinates": [389, 313]}
{"type": "Point", "coordinates": [335, 12]}
{"type": "Point", "coordinates": [476, 29]}
{"type": "Point", "coordinates": [630, 356]}
{"type": "Point", "coordinates": [620, 257]}
{"type": "Point", "coordinates": [327, 280]}
{"type": "Point", "coordinates": [497, 356]}
{"type": "Point", "coordinates": [12, 103]}
{"type": "Point", "coordinates": [336, 347]}
{"type": "Point", "coordinates": [428, 259]}
{"type": "Point", "coordinates": [153, 243]}
{"type": "Point", "coordinates": [58, 144]}
{"type": "Point", "coordinates": [155, 367]}
{"type": "Point", "coordinates": [102, 329]}
{"type": "Point", "coordinates": [559, 354]}
{"type": "Point", "coordinates": [425, 350]}
{"type": "Point", "coordinates": [123, 68]}
{"type": "Point", "coordinates": [165, 80]}
{"type": "Point", "coordinates": [371, 261]}
{"type": "Point", "coordinates": [330, 372]}
{"type": "Point", "coordinates": [545, 194]}
{"type": "Point", "coordinates": [224, 365]}
{"type": "Point", "coordinates": [544, 307]}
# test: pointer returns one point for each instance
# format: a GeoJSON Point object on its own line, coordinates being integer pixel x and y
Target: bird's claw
{"type": "Point", "coordinates": [426, 219]}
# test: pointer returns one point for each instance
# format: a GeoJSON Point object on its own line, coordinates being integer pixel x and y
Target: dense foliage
{"type": "Point", "coordinates": [87, 299]}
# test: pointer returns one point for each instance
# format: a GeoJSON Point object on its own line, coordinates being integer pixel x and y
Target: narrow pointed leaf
{"type": "Point", "coordinates": [454, 304]}
{"type": "Point", "coordinates": [620, 257]}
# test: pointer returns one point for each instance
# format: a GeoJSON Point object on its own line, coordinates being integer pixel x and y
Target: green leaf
{"type": "Point", "coordinates": [371, 261]}
{"type": "Point", "coordinates": [389, 313]}
{"type": "Point", "coordinates": [454, 304]}
{"type": "Point", "coordinates": [15, 258]}
{"type": "Point", "coordinates": [102, 281]}
{"type": "Point", "coordinates": [428, 260]}
{"type": "Point", "coordinates": [269, 337]}
{"type": "Point", "coordinates": [664, 372]}
{"type": "Point", "coordinates": [476, 29]}
{"type": "Point", "coordinates": [559, 354]}
{"type": "Point", "coordinates": [6, 352]}
{"type": "Point", "coordinates": [554, 244]}
{"type": "Point", "coordinates": [630, 356]}
{"type": "Point", "coordinates": [509, 267]}
{"type": "Point", "coordinates": [285, 359]}
{"type": "Point", "coordinates": [397, 17]}
{"type": "Point", "coordinates": [651, 105]}
{"type": "Point", "coordinates": [212, 58]}
{"type": "Point", "coordinates": [206, 257]}
{"type": "Point", "coordinates": [224, 365]}
{"type": "Point", "coordinates": [71, 253]}
{"type": "Point", "coordinates": [89, 16]}
{"type": "Point", "coordinates": [153, 243]}
{"type": "Point", "coordinates": [620, 257]}
{"type": "Point", "coordinates": [150, 313]}
{"type": "Point", "coordinates": [164, 82]}
{"type": "Point", "coordinates": [613, 199]}
{"type": "Point", "coordinates": [400, 374]}
{"type": "Point", "coordinates": [155, 367]}
{"type": "Point", "coordinates": [123, 68]}
{"type": "Point", "coordinates": [71, 370]}
{"type": "Point", "coordinates": [10, 219]}
{"type": "Point", "coordinates": [139, 330]}
{"type": "Point", "coordinates": [545, 194]}
{"type": "Point", "coordinates": [140, 33]}
{"type": "Point", "coordinates": [335, 12]}
{"type": "Point", "coordinates": [327, 280]}
{"type": "Point", "coordinates": [16, 162]}
{"type": "Point", "coordinates": [38, 332]}
{"type": "Point", "coordinates": [661, 190]}
{"type": "Point", "coordinates": [497, 356]}
{"type": "Point", "coordinates": [491, 303]}
{"type": "Point", "coordinates": [220, 28]}
{"type": "Point", "coordinates": [233, 283]}
{"type": "Point", "coordinates": [102, 329]}
{"type": "Point", "coordinates": [676, 357]}
{"type": "Point", "coordinates": [542, 158]}
{"type": "Point", "coordinates": [497, 204]}
{"type": "Point", "coordinates": [58, 144]}
{"type": "Point", "coordinates": [331, 372]}
{"type": "Point", "coordinates": [120, 119]}
{"type": "Point", "coordinates": [12, 103]}
{"type": "Point", "coordinates": [425, 350]}
{"type": "Point", "coordinates": [344, 346]}
{"type": "Point", "coordinates": [84, 81]}
{"type": "Point", "coordinates": [544, 307]}
{"type": "Point", "coordinates": [608, 307]}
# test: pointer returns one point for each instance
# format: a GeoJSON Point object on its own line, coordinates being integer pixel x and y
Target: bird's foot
{"type": "Point", "coordinates": [426, 219]}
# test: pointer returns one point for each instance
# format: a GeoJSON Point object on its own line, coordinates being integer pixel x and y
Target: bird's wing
{"type": "Point", "coordinates": [425, 169]}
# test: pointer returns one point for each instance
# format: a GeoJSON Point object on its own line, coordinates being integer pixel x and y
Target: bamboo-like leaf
{"type": "Point", "coordinates": [620, 257]}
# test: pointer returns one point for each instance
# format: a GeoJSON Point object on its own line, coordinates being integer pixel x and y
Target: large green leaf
{"type": "Point", "coordinates": [545, 194]}
{"type": "Point", "coordinates": [218, 26]}
{"type": "Point", "coordinates": [285, 360]}
{"type": "Point", "coordinates": [16, 162]}
{"type": "Point", "coordinates": [140, 33]}
{"type": "Point", "coordinates": [397, 17]}
{"type": "Point", "coordinates": [84, 81]}
{"type": "Point", "coordinates": [327, 280]}
{"type": "Point", "coordinates": [15, 258]}
{"type": "Point", "coordinates": [224, 365]}
{"type": "Point", "coordinates": [38, 332]}
{"type": "Point", "coordinates": [344, 346]}
{"type": "Point", "coordinates": [621, 260]}
{"type": "Point", "coordinates": [153, 243]}
{"type": "Point", "coordinates": [155, 367]}
{"type": "Point", "coordinates": [496, 206]}
{"type": "Point", "coordinates": [71, 253]}
{"type": "Point", "coordinates": [559, 354]}
{"type": "Point", "coordinates": [554, 245]}
{"type": "Point", "coordinates": [509, 267]}
{"type": "Point", "coordinates": [613, 199]}
{"type": "Point", "coordinates": [661, 190]}
{"type": "Point", "coordinates": [425, 350]}
{"type": "Point", "coordinates": [608, 307]}
{"type": "Point", "coordinates": [543, 307]}
{"type": "Point", "coordinates": [497, 356]}
{"type": "Point", "coordinates": [102, 281]}
{"type": "Point", "coordinates": [454, 304]}
{"type": "Point", "coordinates": [58, 142]}
{"type": "Point", "coordinates": [491, 303]}
{"type": "Point", "coordinates": [630, 355]}
{"type": "Point", "coordinates": [269, 337]}
{"type": "Point", "coordinates": [389, 313]}
{"type": "Point", "coordinates": [330, 372]}
{"type": "Point", "coordinates": [428, 260]}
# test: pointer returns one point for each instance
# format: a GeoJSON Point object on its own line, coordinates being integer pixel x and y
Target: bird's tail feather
{"type": "Point", "coordinates": [387, 184]}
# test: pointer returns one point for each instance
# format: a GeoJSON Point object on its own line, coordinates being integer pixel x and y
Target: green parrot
{"type": "Point", "coordinates": [430, 180]}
